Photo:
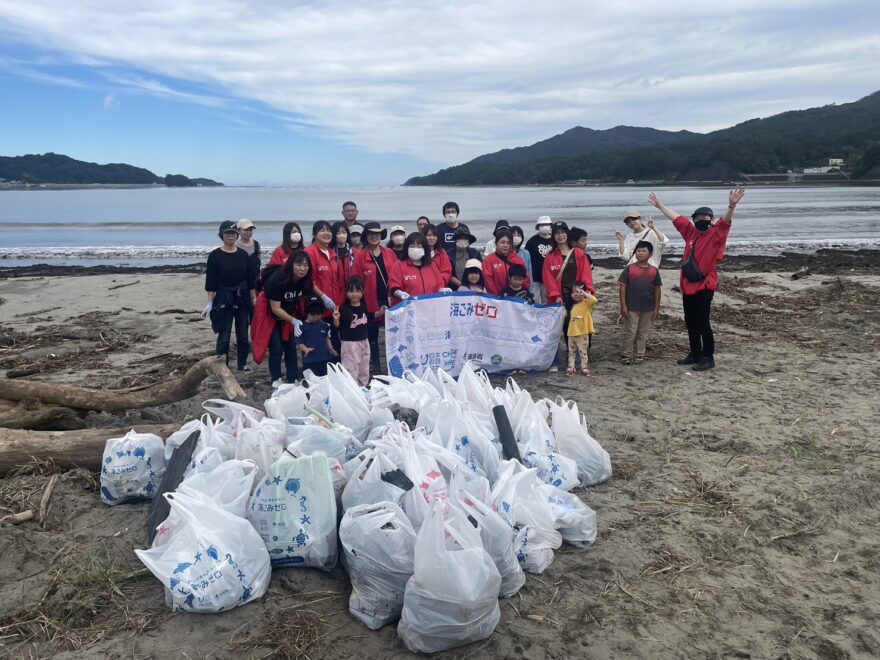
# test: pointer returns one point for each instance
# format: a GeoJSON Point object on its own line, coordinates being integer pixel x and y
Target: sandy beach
{"type": "Point", "coordinates": [741, 520]}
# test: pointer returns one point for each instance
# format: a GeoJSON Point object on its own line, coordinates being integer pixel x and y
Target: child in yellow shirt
{"type": "Point", "coordinates": [580, 327]}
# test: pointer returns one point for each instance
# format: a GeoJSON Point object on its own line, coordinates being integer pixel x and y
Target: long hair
{"type": "Point", "coordinates": [417, 238]}
{"type": "Point", "coordinates": [286, 243]}
{"type": "Point", "coordinates": [287, 277]}
{"type": "Point", "coordinates": [342, 224]}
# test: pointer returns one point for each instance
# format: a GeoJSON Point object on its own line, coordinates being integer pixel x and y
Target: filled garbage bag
{"type": "Point", "coordinates": [213, 560]}
{"type": "Point", "coordinates": [294, 510]}
{"type": "Point", "coordinates": [574, 441]}
{"type": "Point", "coordinates": [575, 521]}
{"type": "Point", "coordinates": [228, 484]}
{"type": "Point", "coordinates": [378, 547]}
{"type": "Point", "coordinates": [369, 483]}
{"type": "Point", "coordinates": [132, 467]}
{"type": "Point", "coordinates": [452, 597]}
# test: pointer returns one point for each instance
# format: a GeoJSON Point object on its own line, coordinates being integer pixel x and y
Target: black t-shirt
{"type": "Point", "coordinates": [381, 278]}
{"type": "Point", "coordinates": [447, 234]}
{"type": "Point", "coordinates": [523, 293]}
{"type": "Point", "coordinates": [290, 295]}
{"type": "Point", "coordinates": [353, 322]}
{"type": "Point", "coordinates": [538, 248]}
{"type": "Point", "coordinates": [227, 270]}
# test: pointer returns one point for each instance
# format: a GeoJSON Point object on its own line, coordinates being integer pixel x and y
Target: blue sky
{"type": "Point", "coordinates": [371, 93]}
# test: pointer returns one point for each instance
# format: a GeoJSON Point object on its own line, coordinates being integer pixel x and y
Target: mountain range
{"type": "Point", "coordinates": [52, 168]}
{"type": "Point", "coordinates": [790, 140]}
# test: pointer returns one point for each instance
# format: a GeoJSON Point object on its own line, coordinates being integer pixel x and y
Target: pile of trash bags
{"type": "Point", "coordinates": [433, 520]}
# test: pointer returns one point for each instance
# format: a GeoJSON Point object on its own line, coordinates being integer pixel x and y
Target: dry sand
{"type": "Point", "coordinates": [741, 520]}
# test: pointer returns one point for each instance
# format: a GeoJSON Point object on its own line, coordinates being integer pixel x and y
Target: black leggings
{"type": "Point", "coordinates": [240, 316]}
{"type": "Point", "coordinates": [373, 339]}
{"type": "Point", "coordinates": [697, 309]}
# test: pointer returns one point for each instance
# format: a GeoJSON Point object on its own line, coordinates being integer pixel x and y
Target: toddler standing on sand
{"type": "Point", "coordinates": [580, 327]}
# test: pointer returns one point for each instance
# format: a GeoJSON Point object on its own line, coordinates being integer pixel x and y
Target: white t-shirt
{"type": "Point", "coordinates": [629, 246]}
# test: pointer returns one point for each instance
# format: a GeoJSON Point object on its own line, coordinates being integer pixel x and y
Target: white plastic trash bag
{"type": "Point", "coordinates": [497, 537]}
{"type": "Point", "coordinates": [573, 440]}
{"type": "Point", "coordinates": [287, 401]}
{"type": "Point", "coordinates": [554, 469]}
{"type": "Point", "coordinates": [378, 546]}
{"type": "Point", "coordinates": [132, 467]}
{"type": "Point", "coordinates": [428, 482]}
{"type": "Point", "coordinates": [575, 521]}
{"type": "Point", "coordinates": [228, 485]}
{"type": "Point", "coordinates": [452, 597]}
{"type": "Point", "coordinates": [294, 510]}
{"type": "Point", "coordinates": [213, 560]}
{"type": "Point", "coordinates": [346, 401]}
{"type": "Point", "coordinates": [366, 485]}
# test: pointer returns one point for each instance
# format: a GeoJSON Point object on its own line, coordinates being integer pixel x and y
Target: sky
{"type": "Point", "coordinates": [374, 92]}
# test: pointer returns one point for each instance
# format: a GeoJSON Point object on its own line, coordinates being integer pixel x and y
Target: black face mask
{"type": "Point", "coordinates": [702, 225]}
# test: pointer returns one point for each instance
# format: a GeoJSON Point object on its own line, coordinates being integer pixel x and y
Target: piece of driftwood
{"type": "Point", "coordinates": [31, 414]}
{"type": "Point", "coordinates": [82, 448]}
{"type": "Point", "coordinates": [117, 400]}
{"type": "Point", "coordinates": [17, 518]}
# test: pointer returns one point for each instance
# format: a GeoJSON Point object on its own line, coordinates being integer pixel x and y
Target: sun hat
{"type": "Point", "coordinates": [544, 220]}
{"type": "Point", "coordinates": [461, 232]}
{"type": "Point", "coordinates": [375, 227]}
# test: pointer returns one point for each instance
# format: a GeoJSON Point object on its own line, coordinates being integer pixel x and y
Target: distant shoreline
{"type": "Point", "coordinates": [664, 184]}
{"type": "Point", "coordinates": [93, 186]}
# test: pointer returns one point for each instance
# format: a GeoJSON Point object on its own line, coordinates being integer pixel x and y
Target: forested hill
{"type": "Point", "coordinates": [59, 169]}
{"type": "Point", "coordinates": [795, 139]}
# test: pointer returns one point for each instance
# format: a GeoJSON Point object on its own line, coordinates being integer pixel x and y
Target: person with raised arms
{"type": "Point", "coordinates": [373, 263]}
{"type": "Point", "coordinates": [416, 275]}
{"type": "Point", "coordinates": [704, 245]}
{"type": "Point", "coordinates": [627, 245]}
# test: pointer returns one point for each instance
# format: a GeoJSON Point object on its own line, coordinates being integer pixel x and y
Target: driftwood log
{"type": "Point", "coordinates": [84, 398]}
{"type": "Point", "coordinates": [31, 414]}
{"type": "Point", "coordinates": [82, 448]}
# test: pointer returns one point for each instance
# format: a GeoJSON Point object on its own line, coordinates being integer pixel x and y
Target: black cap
{"type": "Point", "coordinates": [559, 225]}
{"type": "Point", "coordinates": [375, 228]}
{"type": "Point", "coordinates": [313, 304]}
{"type": "Point", "coordinates": [461, 232]}
{"type": "Point", "coordinates": [703, 210]}
{"type": "Point", "coordinates": [227, 226]}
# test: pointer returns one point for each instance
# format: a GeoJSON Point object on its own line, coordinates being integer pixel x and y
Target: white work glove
{"type": "Point", "coordinates": [297, 327]}
{"type": "Point", "coordinates": [328, 302]}
{"type": "Point", "coordinates": [445, 289]}
{"type": "Point", "coordinates": [400, 294]}
{"type": "Point", "coordinates": [207, 310]}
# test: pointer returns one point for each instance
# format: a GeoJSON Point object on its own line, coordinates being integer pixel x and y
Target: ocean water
{"type": "Point", "coordinates": [167, 225]}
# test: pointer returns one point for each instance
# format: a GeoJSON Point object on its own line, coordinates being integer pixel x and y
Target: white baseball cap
{"type": "Point", "coordinates": [244, 223]}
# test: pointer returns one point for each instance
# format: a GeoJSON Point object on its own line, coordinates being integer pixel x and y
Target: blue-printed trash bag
{"type": "Point", "coordinates": [132, 467]}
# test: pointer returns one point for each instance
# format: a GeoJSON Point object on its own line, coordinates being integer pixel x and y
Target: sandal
{"type": "Point", "coordinates": [569, 371]}
{"type": "Point", "coordinates": [585, 372]}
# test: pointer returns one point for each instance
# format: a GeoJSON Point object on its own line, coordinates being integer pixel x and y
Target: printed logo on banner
{"type": "Point", "coordinates": [497, 359]}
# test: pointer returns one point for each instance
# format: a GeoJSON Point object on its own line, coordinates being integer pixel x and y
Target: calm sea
{"type": "Point", "coordinates": [154, 226]}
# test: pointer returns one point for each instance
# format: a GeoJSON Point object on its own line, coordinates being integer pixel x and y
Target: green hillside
{"type": "Point", "coordinates": [58, 169]}
{"type": "Point", "coordinates": [802, 138]}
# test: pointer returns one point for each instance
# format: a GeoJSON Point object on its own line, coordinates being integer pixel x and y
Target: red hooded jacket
{"type": "Point", "coordinates": [414, 280]}
{"type": "Point", "coordinates": [495, 271]}
{"type": "Point", "coordinates": [444, 265]}
{"type": "Point", "coordinates": [327, 274]}
{"type": "Point", "coordinates": [552, 266]}
{"type": "Point", "coordinates": [366, 268]}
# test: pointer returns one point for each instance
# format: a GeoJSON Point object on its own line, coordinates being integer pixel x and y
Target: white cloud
{"type": "Point", "coordinates": [449, 81]}
{"type": "Point", "coordinates": [110, 100]}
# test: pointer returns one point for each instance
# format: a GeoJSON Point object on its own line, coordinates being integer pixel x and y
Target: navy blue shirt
{"type": "Point", "coordinates": [314, 335]}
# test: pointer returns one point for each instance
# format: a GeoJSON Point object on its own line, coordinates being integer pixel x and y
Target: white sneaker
{"type": "Point", "coordinates": [277, 383]}
{"type": "Point", "coordinates": [553, 369]}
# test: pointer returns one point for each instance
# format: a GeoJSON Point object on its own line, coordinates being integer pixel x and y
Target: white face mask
{"type": "Point", "coordinates": [452, 217]}
{"type": "Point", "coordinates": [397, 240]}
{"type": "Point", "coordinates": [544, 232]}
{"type": "Point", "coordinates": [462, 244]}
{"type": "Point", "coordinates": [295, 236]}
{"type": "Point", "coordinates": [416, 253]}
{"type": "Point", "coordinates": [355, 240]}
{"type": "Point", "coordinates": [517, 240]}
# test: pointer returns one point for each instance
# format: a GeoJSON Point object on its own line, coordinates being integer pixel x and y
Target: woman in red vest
{"type": "Point", "coordinates": [496, 265]}
{"type": "Point", "coordinates": [373, 263]}
{"type": "Point", "coordinates": [416, 274]}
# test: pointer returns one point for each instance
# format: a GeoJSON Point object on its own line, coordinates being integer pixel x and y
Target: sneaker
{"type": "Point", "coordinates": [553, 369]}
{"type": "Point", "coordinates": [640, 359]}
{"type": "Point", "coordinates": [705, 364]}
{"type": "Point", "coordinates": [626, 359]}
{"type": "Point", "coordinates": [277, 383]}
{"type": "Point", "coordinates": [245, 368]}
{"type": "Point", "coordinates": [689, 359]}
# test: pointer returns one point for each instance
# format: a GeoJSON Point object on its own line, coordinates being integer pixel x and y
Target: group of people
{"type": "Point", "coordinates": [326, 300]}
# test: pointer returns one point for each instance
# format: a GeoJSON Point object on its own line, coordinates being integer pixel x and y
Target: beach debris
{"type": "Point", "coordinates": [177, 462]}
{"type": "Point", "coordinates": [46, 497]}
{"type": "Point", "coordinates": [17, 518]}
{"type": "Point", "coordinates": [67, 449]}
{"type": "Point", "coordinates": [132, 467]}
{"type": "Point", "coordinates": [800, 273]}
{"type": "Point", "coordinates": [84, 398]}
{"type": "Point", "coordinates": [32, 414]}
